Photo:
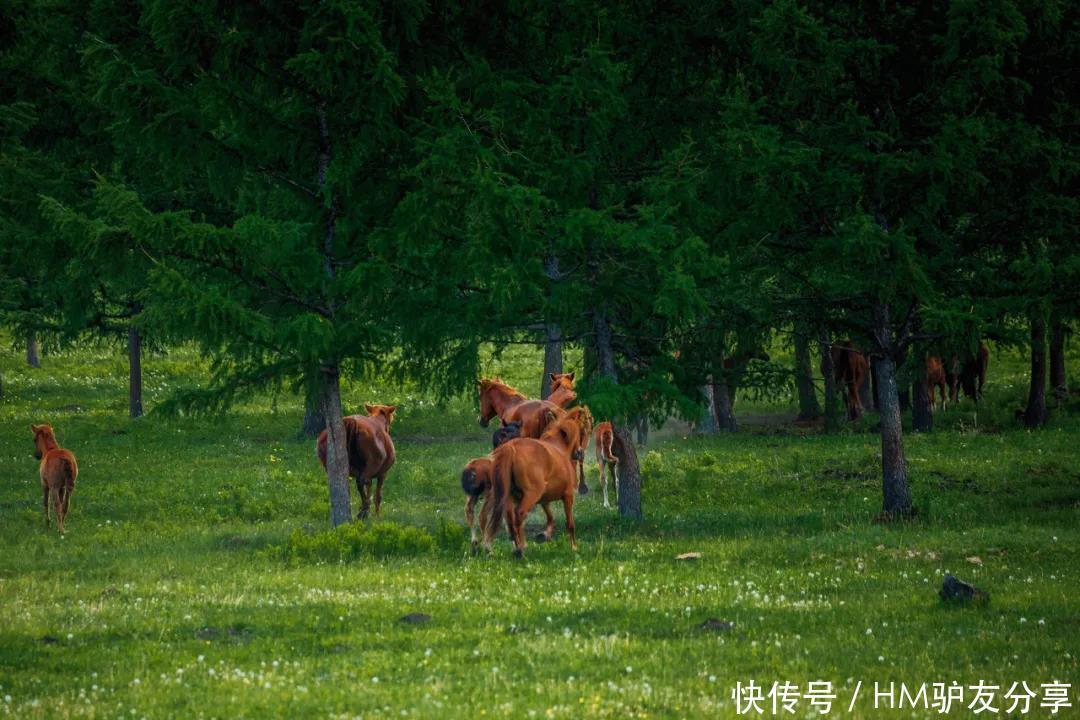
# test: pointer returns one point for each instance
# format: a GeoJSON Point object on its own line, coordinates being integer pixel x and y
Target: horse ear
{"type": "Point", "coordinates": [571, 377]}
{"type": "Point", "coordinates": [552, 376]}
{"type": "Point", "coordinates": [391, 409]}
{"type": "Point", "coordinates": [369, 408]}
{"type": "Point", "coordinates": [33, 428]}
{"type": "Point", "coordinates": [549, 416]}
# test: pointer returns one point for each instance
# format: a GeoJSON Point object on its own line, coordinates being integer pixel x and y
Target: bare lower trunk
{"type": "Point", "coordinates": [553, 360]}
{"type": "Point", "coordinates": [1059, 383]}
{"type": "Point", "coordinates": [725, 412]}
{"type": "Point", "coordinates": [314, 420]}
{"type": "Point", "coordinates": [33, 358]}
{"type": "Point", "coordinates": [337, 459]}
{"type": "Point", "coordinates": [135, 408]}
{"type": "Point", "coordinates": [922, 415]}
{"type": "Point", "coordinates": [832, 405]}
{"type": "Point", "coordinates": [896, 495]}
{"type": "Point", "coordinates": [629, 475]}
{"type": "Point", "coordinates": [706, 424]}
{"type": "Point", "coordinates": [875, 387]}
{"type": "Point", "coordinates": [1035, 416]}
{"type": "Point", "coordinates": [804, 378]}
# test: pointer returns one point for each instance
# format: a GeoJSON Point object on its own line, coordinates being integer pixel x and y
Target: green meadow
{"type": "Point", "coordinates": [198, 577]}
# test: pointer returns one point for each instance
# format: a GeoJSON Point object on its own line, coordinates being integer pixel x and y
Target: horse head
{"type": "Point", "coordinates": [44, 440]}
{"type": "Point", "coordinates": [386, 412]}
{"type": "Point", "coordinates": [506, 433]}
{"type": "Point", "coordinates": [495, 395]}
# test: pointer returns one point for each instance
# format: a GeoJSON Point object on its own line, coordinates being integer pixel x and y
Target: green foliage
{"type": "Point", "coordinates": [354, 541]}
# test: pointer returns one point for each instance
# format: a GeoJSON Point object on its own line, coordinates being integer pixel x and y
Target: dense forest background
{"type": "Point", "coordinates": [312, 191]}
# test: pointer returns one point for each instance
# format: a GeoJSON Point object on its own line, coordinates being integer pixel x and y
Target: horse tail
{"type": "Point", "coordinates": [502, 479]}
{"type": "Point", "coordinates": [68, 470]}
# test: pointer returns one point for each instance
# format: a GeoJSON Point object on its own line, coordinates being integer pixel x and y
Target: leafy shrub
{"type": "Point", "coordinates": [354, 541]}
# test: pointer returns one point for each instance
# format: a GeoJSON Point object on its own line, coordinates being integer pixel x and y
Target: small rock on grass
{"type": "Point", "coordinates": [958, 591]}
{"type": "Point", "coordinates": [689, 556]}
{"type": "Point", "coordinates": [714, 625]}
{"type": "Point", "coordinates": [416, 618]}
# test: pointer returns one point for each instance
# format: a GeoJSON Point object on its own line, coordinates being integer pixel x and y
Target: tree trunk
{"type": "Point", "coordinates": [1035, 416]}
{"type": "Point", "coordinates": [314, 420]}
{"type": "Point", "coordinates": [706, 424]}
{"type": "Point", "coordinates": [552, 357]}
{"type": "Point", "coordinates": [1059, 383]}
{"type": "Point", "coordinates": [875, 387]}
{"type": "Point", "coordinates": [832, 406]}
{"type": "Point", "coordinates": [135, 408]}
{"type": "Point", "coordinates": [896, 500]}
{"type": "Point", "coordinates": [922, 415]}
{"type": "Point", "coordinates": [337, 458]}
{"type": "Point", "coordinates": [804, 378]}
{"type": "Point", "coordinates": [897, 496]}
{"type": "Point", "coordinates": [629, 475]}
{"type": "Point", "coordinates": [33, 359]}
{"type": "Point", "coordinates": [725, 413]}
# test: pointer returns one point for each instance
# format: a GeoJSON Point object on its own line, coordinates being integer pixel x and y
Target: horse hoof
{"type": "Point", "coordinates": [541, 537]}
{"type": "Point", "coordinates": [475, 548]}
{"type": "Point", "coordinates": [519, 553]}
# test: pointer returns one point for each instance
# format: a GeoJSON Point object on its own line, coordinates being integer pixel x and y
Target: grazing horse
{"type": "Point", "coordinates": [562, 389]}
{"type": "Point", "coordinates": [970, 374]}
{"type": "Point", "coordinates": [58, 471]}
{"type": "Point", "coordinates": [935, 378]}
{"type": "Point", "coordinates": [370, 451]}
{"type": "Point", "coordinates": [533, 471]}
{"type": "Point", "coordinates": [850, 369]}
{"type": "Point", "coordinates": [498, 398]}
{"type": "Point", "coordinates": [605, 458]}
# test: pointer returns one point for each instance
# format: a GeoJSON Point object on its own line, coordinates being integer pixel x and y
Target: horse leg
{"type": "Point", "coordinates": [45, 502]}
{"type": "Point", "coordinates": [54, 493]}
{"type": "Point", "coordinates": [68, 490]}
{"type": "Point", "coordinates": [549, 529]}
{"type": "Point", "coordinates": [568, 508]}
{"type": "Point", "coordinates": [363, 486]}
{"type": "Point", "coordinates": [529, 499]}
{"type": "Point", "coordinates": [602, 465]}
{"type": "Point", "coordinates": [378, 492]}
{"type": "Point", "coordinates": [470, 520]}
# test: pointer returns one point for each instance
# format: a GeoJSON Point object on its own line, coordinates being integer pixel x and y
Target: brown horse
{"type": "Point", "coordinates": [533, 471]}
{"type": "Point", "coordinates": [562, 389]}
{"type": "Point", "coordinates": [850, 369]}
{"type": "Point", "coordinates": [58, 471]}
{"type": "Point", "coordinates": [498, 398]}
{"type": "Point", "coordinates": [605, 458]}
{"type": "Point", "coordinates": [935, 378]}
{"type": "Point", "coordinates": [370, 450]}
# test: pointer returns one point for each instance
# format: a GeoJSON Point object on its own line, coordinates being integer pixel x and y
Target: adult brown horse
{"type": "Point", "coordinates": [562, 389]}
{"type": "Point", "coordinates": [935, 378]}
{"type": "Point", "coordinates": [850, 369]}
{"type": "Point", "coordinates": [370, 451]}
{"type": "Point", "coordinates": [533, 471]}
{"type": "Point", "coordinates": [499, 399]}
{"type": "Point", "coordinates": [58, 471]}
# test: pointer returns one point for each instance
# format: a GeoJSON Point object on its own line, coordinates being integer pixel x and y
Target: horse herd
{"type": "Point", "coordinates": [538, 452]}
{"type": "Point", "coordinates": [537, 457]}
{"type": "Point", "coordinates": [851, 372]}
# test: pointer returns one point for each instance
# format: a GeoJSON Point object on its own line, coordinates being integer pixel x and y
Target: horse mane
{"type": "Point", "coordinates": [497, 382]}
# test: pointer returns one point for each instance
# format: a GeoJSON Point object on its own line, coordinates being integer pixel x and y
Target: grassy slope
{"type": "Point", "coordinates": [166, 598]}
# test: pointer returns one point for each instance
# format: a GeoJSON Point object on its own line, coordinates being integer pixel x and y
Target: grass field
{"type": "Point", "coordinates": [197, 579]}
